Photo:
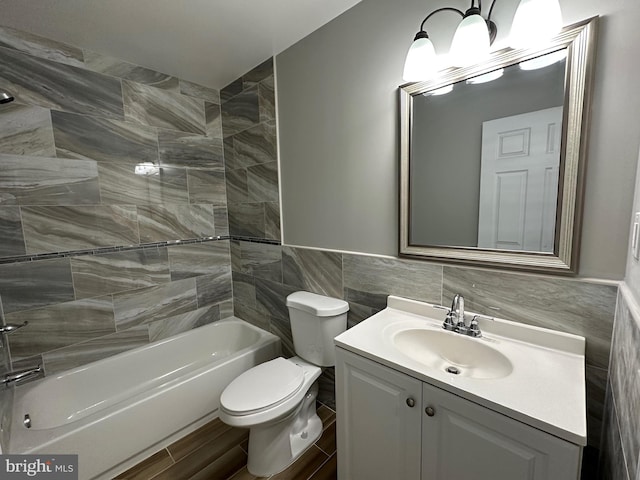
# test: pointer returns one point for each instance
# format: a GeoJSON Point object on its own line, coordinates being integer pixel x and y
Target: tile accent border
{"type": "Point", "coordinates": [125, 248]}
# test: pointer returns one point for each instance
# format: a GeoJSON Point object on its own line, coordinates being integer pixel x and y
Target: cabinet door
{"type": "Point", "coordinates": [378, 421]}
{"type": "Point", "coordinates": [464, 441]}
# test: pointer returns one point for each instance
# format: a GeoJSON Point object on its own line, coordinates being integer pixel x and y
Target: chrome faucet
{"type": "Point", "coordinates": [455, 322]}
{"type": "Point", "coordinates": [24, 374]}
{"type": "Point", "coordinates": [455, 318]}
{"type": "Point", "coordinates": [11, 327]}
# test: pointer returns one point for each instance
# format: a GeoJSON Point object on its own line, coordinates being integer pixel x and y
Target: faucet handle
{"type": "Point", "coordinates": [474, 328]}
{"type": "Point", "coordinates": [449, 323]}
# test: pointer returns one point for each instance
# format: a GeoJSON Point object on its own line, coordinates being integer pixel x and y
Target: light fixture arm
{"type": "Point", "coordinates": [460, 12]}
{"type": "Point", "coordinates": [493, 29]}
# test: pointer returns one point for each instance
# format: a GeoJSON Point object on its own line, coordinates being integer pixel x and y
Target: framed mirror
{"type": "Point", "coordinates": [493, 156]}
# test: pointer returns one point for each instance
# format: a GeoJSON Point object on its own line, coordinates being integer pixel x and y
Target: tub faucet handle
{"type": "Point", "coordinates": [11, 327]}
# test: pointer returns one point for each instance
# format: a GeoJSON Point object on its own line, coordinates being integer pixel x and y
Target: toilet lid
{"type": "Point", "coordinates": [262, 386]}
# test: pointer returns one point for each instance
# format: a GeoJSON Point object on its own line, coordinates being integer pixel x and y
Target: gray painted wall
{"type": "Point", "coordinates": [337, 101]}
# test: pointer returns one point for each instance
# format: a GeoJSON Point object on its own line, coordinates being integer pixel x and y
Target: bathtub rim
{"type": "Point", "coordinates": [265, 338]}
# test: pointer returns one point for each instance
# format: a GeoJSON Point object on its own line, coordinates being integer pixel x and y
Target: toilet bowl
{"type": "Point", "coordinates": [276, 399]}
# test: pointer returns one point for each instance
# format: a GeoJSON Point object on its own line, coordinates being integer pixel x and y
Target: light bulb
{"type": "Point", "coordinates": [470, 42]}
{"type": "Point", "coordinates": [535, 22]}
{"type": "Point", "coordinates": [421, 58]}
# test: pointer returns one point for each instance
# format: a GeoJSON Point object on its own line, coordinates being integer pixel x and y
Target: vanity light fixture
{"type": "Point", "coordinates": [535, 20]}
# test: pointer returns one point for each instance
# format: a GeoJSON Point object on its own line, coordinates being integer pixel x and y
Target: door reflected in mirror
{"type": "Point", "coordinates": [485, 159]}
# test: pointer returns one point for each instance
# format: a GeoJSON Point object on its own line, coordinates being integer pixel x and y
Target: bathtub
{"type": "Point", "coordinates": [117, 411]}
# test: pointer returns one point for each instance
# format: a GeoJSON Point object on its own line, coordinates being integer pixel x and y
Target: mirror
{"type": "Point", "coordinates": [492, 157]}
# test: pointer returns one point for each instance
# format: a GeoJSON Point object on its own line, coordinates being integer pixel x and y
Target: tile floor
{"type": "Point", "coordinates": [219, 452]}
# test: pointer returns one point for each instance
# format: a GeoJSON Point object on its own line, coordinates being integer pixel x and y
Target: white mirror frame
{"type": "Point", "coordinates": [580, 40]}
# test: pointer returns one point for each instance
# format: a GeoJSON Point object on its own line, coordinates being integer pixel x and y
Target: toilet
{"type": "Point", "coordinates": [276, 400]}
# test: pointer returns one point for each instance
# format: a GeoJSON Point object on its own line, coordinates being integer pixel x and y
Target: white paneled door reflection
{"type": "Point", "coordinates": [519, 181]}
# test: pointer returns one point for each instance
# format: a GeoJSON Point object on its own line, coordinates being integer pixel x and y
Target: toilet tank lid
{"type": "Point", "coordinates": [315, 304]}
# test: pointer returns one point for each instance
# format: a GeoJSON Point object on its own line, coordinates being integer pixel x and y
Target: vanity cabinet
{"type": "Point", "coordinates": [393, 426]}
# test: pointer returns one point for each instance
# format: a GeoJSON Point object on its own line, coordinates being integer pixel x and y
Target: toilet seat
{"type": "Point", "coordinates": [232, 414]}
{"type": "Point", "coordinates": [262, 387]}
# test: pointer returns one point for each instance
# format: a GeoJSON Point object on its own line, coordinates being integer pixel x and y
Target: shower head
{"type": "Point", "coordinates": [5, 97]}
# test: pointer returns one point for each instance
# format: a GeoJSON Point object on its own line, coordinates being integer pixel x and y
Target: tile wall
{"type": "Point", "coordinates": [263, 275]}
{"type": "Point", "coordinates": [621, 442]}
{"type": "Point", "coordinates": [113, 205]}
{"type": "Point", "coordinates": [251, 159]}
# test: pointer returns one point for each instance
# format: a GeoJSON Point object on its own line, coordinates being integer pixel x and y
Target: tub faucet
{"type": "Point", "coordinates": [24, 374]}
{"type": "Point", "coordinates": [11, 327]}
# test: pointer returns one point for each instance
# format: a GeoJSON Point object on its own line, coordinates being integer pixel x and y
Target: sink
{"type": "Point", "coordinates": [532, 374]}
{"type": "Point", "coordinates": [452, 353]}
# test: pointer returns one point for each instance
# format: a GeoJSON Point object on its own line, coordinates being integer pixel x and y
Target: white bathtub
{"type": "Point", "coordinates": [117, 411]}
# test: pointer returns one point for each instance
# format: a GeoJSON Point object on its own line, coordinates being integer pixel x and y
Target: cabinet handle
{"type": "Point", "coordinates": [430, 411]}
{"type": "Point", "coordinates": [411, 402]}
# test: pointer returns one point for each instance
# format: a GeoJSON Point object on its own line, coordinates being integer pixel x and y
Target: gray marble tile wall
{"type": "Point", "coordinates": [71, 141]}
{"type": "Point", "coordinates": [69, 147]}
{"type": "Point", "coordinates": [250, 147]}
{"type": "Point", "coordinates": [621, 440]}
{"type": "Point", "coordinates": [87, 307]}
{"type": "Point", "coordinates": [263, 275]}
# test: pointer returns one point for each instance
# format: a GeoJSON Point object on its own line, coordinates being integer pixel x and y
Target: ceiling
{"type": "Point", "coordinates": [210, 42]}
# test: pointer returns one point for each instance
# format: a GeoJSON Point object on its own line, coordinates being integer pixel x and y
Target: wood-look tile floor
{"type": "Point", "coordinates": [219, 452]}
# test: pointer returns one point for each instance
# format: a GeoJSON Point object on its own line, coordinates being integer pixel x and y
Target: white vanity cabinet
{"type": "Point", "coordinates": [393, 426]}
{"type": "Point", "coordinates": [378, 421]}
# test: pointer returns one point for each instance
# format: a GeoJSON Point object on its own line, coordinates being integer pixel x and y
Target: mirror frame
{"type": "Point", "coordinates": [580, 41]}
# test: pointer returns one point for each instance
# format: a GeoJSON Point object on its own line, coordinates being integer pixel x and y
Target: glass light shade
{"type": "Point", "coordinates": [420, 62]}
{"type": "Point", "coordinates": [470, 42]}
{"type": "Point", "coordinates": [535, 22]}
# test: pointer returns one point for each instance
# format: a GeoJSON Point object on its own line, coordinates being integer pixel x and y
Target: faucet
{"type": "Point", "coordinates": [11, 327]}
{"type": "Point", "coordinates": [455, 318]}
{"type": "Point", "coordinates": [455, 322]}
{"type": "Point", "coordinates": [18, 375]}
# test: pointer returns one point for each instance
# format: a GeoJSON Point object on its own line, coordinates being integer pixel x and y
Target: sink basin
{"type": "Point", "coordinates": [453, 353]}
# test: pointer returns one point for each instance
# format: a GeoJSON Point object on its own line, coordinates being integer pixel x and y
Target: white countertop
{"type": "Point", "coordinates": [545, 390]}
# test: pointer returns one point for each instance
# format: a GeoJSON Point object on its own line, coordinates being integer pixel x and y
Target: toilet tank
{"type": "Point", "coordinates": [315, 321]}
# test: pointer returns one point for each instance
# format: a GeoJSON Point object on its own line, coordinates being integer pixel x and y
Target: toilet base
{"type": "Point", "coordinates": [275, 446]}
